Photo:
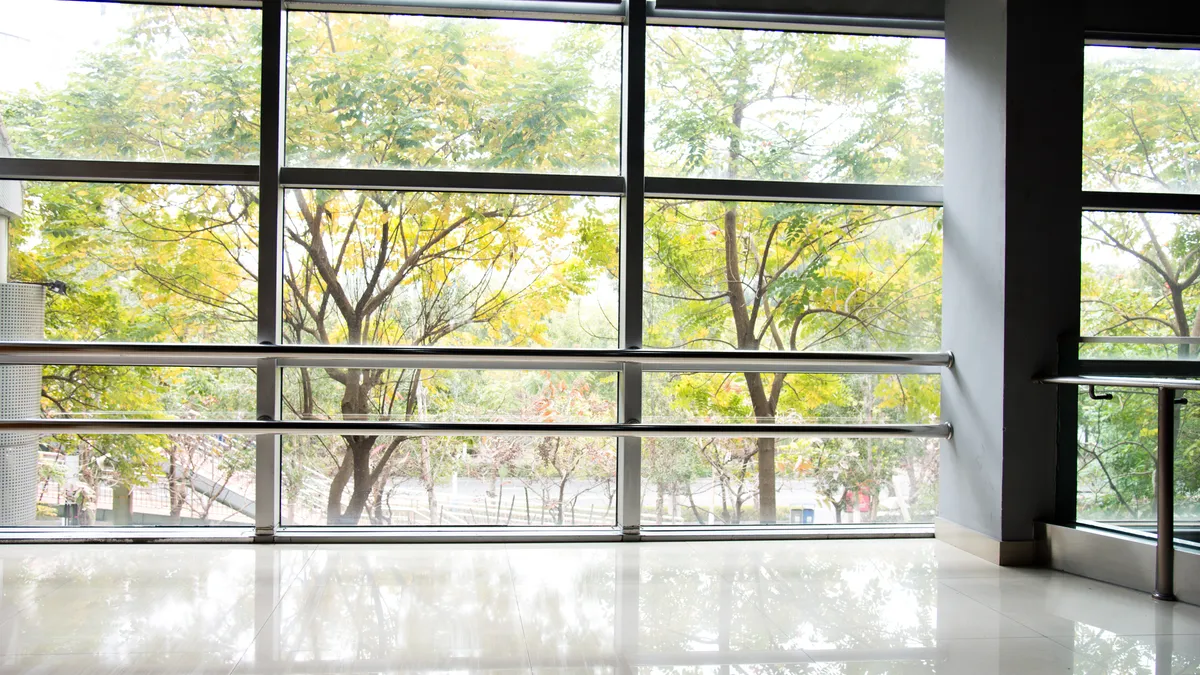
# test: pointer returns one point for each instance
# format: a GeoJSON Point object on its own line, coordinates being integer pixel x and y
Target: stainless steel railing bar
{"type": "Point", "coordinates": [1125, 382]}
{"type": "Point", "coordinates": [131, 354]}
{"type": "Point", "coordinates": [371, 428]}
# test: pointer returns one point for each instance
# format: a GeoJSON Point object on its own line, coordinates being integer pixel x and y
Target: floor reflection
{"type": "Point", "coordinates": [852, 607]}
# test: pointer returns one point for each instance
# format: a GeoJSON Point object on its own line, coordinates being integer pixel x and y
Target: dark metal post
{"type": "Point", "coordinates": [633, 167]}
{"type": "Point", "coordinates": [270, 264]}
{"type": "Point", "coordinates": [1164, 572]}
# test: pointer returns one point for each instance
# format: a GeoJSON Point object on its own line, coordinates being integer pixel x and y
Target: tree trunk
{"type": "Point", "coordinates": [427, 480]}
{"type": "Point", "coordinates": [764, 412]}
{"type": "Point", "coordinates": [658, 503]}
{"type": "Point", "coordinates": [562, 496]}
{"type": "Point", "coordinates": [355, 470]}
{"type": "Point", "coordinates": [175, 484]}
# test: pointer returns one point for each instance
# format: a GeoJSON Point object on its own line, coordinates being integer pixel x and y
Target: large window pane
{"type": "Point", "coordinates": [90, 80]}
{"type": "Point", "coordinates": [140, 263]}
{"type": "Point", "coordinates": [415, 268]}
{"type": "Point", "coordinates": [469, 396]}
{"type": "Point", "coordinates": [1140, 119]}
{"type": "Point", "coordinates": [449, 481]}
{"type": "Point", "coordinates": [455, 481]}
{"type": "Point", "coordinates": [1140, 285]}
{"type": "Point", "coordinates": [117, 481]}
{"type": "Point", "coordinates": [148, 392]}
{"type": "Point", "coordinates": [1118, 457]}
{"type": "Point", "coordinates": [792, 276]}
{"type": "Point", "coordinates": [808, 398]}
{"type": "Point", "coordinates": [120, 480]}
{"type": "Point", "coordinates": [451, 93]}
{"type": "Point", "coordinates": [780, 105]}
{"type": "Point", "coordinates": [715, 481]}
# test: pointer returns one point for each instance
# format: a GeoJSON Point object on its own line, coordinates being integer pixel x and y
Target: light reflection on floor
{"type": "Point", "coordinates": [861, 607]}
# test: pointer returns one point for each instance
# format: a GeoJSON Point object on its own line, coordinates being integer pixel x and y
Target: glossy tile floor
{"type": "Point", "coordinates": [903, 606]}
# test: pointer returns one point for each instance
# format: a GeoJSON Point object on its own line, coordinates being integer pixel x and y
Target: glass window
{"type": "Point", "coordinates": [433, 395]}
{"type": "Point", "coordinates": [451, 93]}
{"type": "Point", "coordinates": [140, 263]}
{"type": "Point", "coordinates": [779, 105]}
{"type": "Point", "coordinates": [1118, 456]}
{"type": "Point", "coordinates": [1141, 119]}
{"type": "Point", "coordinates": [1140, 285]}
{"type": "Point", "coordinates": [148, 392]}
{"type": "Point", "coordinates": [747, 275]}
{"type": "Point", "coordinates": [808, 398]}
{"type": "Point", "coordinates": [144, 480]}
{"type": "Point", "coordinates": [137, 480]}
{"type": "Point", "coordinates": [160, 263]}
{"type": "Point", "coordinates": [716, 481]}
{"type": "Point", "coordinates": [130, 82]}
{"type": "Point", "coordinates": [451, 481]}
{"type": "Point", "coordinates": [417, 268]}
{"type": "Point", "coordinates": [501, 480]}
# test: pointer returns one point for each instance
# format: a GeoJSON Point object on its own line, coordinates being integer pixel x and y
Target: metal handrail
{"type": "Point", "coordinates": [375, 428]}
{"type": "Point", "coordinates": [1164, 573]}
{"type": "Point", "coordinates": [1137, 340]}
{"type": "Point", "coordinates": [516, 358]}
{"type": "Point", "coordinates": [1126, 382]}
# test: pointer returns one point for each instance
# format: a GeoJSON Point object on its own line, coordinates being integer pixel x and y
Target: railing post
{"type": "Point", "coordinates": [1164, 572]}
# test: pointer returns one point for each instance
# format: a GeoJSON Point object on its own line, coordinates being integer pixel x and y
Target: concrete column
{"type": "Point", "coordinates": [1014, 97]}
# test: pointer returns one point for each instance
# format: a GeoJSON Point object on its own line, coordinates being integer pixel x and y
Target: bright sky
{"type": "Point", "coordinates": [40, 40]}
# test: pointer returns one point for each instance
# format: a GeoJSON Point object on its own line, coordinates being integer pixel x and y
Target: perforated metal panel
{"type": "Point", "coordinates": [18, 484]}
{"type": "Point", "coordinates": [22, 312]}
{"type": "Point", "coordinates": [22, 317]}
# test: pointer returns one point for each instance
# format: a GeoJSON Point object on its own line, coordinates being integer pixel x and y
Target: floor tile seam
{"type": "Point", "coordinates": [512, 580]}
{"type": "Point", "coordinates": [1055, 635]}
{"type": "Point", "coordinates": [1012, 616]}
{"type": "Point", "coordinates": [999, 612]}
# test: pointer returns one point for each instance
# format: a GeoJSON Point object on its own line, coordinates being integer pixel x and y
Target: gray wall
{"type": "Point", "coordinates": [1011, 264]}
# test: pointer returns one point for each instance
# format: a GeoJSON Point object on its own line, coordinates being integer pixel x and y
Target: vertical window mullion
{"type": "Point", "coordinates": [270, 267]}
{"type": "Point", "coordinates": [633, 167]}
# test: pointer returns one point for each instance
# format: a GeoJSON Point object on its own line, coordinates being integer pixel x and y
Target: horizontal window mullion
{"type": "Point", "coordinates": [559, 10]}
{"type": "Point", "coordinates": [1137, 40]}
{"type": "Point", "coordinates": [1138, 340]}
{"type": "Point", "coordinates": [808, 22]}
{"type": "Point", "coordinates": [104, 171]}
{"type": "Point", "coordinates": [723, 189]}
{"type": "Point", "coordinates": [452, 181]}
{"type": "Point", "coordinates": [224, 4]}
{"type": "Point", "coordinates": [373, 428]}
{"type": "Point", "coordinates": [1145, 202]}
{"type": "Point", "coordinates": [128, 354]}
